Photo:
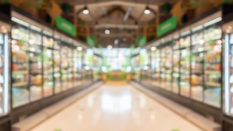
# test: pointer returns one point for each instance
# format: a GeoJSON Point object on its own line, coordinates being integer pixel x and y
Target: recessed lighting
{"type": "Point", "coordinates": [147, 10]}
{"type": "Point", "coordinates": [107, 32]}
{"type": "Point", "coordinates": [85, 10]}
{"type": "Point", "coordinates": [109, 47]}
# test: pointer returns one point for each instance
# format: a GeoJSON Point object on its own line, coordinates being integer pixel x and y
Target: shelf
{"type": "Point", "coordinates": [213, 84]}
{"type": "Point", "coordinates": [20, 84]}
{"type": "Point", "coordinates": [20, 72]}
{"type": "Point", "coordinates": [212, 72]}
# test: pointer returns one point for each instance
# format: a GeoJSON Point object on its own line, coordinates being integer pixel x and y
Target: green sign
{"type": "Point", "coordinates": [91, 41]}
{"type": "Point", "coordinates": [141, 41]}
{"type": "Point", "coordinates": [65, 26]}
{"type": "Point", "coordinates": [167, 26]}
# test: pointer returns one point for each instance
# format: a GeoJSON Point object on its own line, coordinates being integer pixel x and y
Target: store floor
{"type": "Point", "coordinates": [116, 108]}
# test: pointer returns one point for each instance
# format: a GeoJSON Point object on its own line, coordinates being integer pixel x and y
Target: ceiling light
{"type": "Point", "coordinates": [85, 10]}
{"type": "Point", "coordinates": [109, 47]}
{"type": "Point", "coordinates": [80, 48]}
{"type": "Point", "coordinates": [107, 32]}
{"type": "Point", "coordinates": [153, 48]}
{"type": "Point", "coordinates": [116, 41]}
{"type": "Point", "coordinates": [147, 10]}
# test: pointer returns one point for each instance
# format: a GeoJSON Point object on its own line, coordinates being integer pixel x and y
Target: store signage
{"type": "Point", "coordinates": [65, 26]}
{"type": "Point", "coordinates": [141, 41]}
{"type": "Point", "coordinates": [91, 41]}
{"type": "Point", "coordinates": [167, 26]}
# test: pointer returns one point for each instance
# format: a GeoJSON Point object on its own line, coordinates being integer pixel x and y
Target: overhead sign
{"type": "Point", "coordinates": [91, 41]}
{"type": "Point", "coordinates": [167, 26]}
{"type": "Point", "coordinates": [65, 26]}
{"type": "Point", "coordinates": [141, 40]}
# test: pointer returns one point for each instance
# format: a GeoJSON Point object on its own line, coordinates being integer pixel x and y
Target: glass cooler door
{"type": "Point", "coordinates": [4, 74]}
{"type": "Point", "coordinates": [57, 67]}
{"type": "Point", "coordinates": [228, 71]}
{"type": "Point", "coordinates": [213, 78]}
{"type": "Point", "coordinates": [185, 66]}
{"type": "Point", "coordinates": [35, 62]}
{"type": "Point", "coordinates": [176, 68]}
{"type": "Point", "coordinates": [48, 65]}
{"type": "Point", "coordinates": [20, 65]}
{"type": "Point", "coordinates": [197, 63]}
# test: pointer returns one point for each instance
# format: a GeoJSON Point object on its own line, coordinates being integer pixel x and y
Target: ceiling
{"type": "Point", "coordinates": [122, 17]}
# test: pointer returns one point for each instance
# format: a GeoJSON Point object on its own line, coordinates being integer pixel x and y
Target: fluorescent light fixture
{"type": "Point", "coordinates": [85, 10]}
{"type": "Point", "coordinates": [107, 32]}
{"type": "Point", "coordinates": [19, 21]}
{"type": "Point", "coordinates": [147, 10]}
{"type": "Point", "coordinates": [213, 22]}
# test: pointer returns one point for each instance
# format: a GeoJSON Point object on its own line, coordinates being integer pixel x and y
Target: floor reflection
{"type": "Point", "coordinates": [116, 101]}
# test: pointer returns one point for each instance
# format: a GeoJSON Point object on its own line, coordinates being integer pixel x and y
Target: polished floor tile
{"type": "Point", "coordinates": [116, 108]}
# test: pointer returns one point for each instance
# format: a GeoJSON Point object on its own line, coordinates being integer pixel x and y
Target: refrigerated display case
{"type": "Point", "coordinates": [66, 67]}
{"type": "Point", "coordinates": [155, 66]}
{"type": "Point", "coordinates": [228, 68]}
{"type": "Point", "coordinates": [213, 77]}
{"type": "Point", "coordinates": [166, 68]}
{"type": "Point", "coordinates": [57, 66]}
{"type": "Point", "coordinates": [176, 67]}
{"type": "Point", "coordinates": [197, 63]}
{"type": "Point", "coordinates": [4, 70]}
{"type": "Point", "coordinates": [35, 63]}
{"type": "Point", "coordinates": [77, 66]}
{"type": "Point", "coordinates": [20, 65]}
{"type": "Point", "coordinates": [48, 64]}
{"type": "Point", "coordinates": [185, 64]}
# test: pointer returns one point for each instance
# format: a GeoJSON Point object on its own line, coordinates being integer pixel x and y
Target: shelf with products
{"type": "Point", "coordinates": [176, 67]}
{"type": "Point", "coordinates": [35, 62]}
{"type": "Point", "coordinates": [57, 67]}
{"type": "Point", "coordinates": [77, 65]}
{"type": "Point", "coordinates": [48, 62]}
{"type": "Point", "coordinates": [20, 65]}
{"type": "Point", "coordinates": [66, 67]}
{"type": "Point", "coordinates": [167, 66]}
{"type": "Point", "coordinates": [197, 63]}
{"type": "Point", "coordinates": [185, 65]}
{"type": "Point", "coordinates": [213, 79]}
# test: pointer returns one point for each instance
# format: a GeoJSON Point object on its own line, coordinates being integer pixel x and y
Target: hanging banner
{"type": "Point", "coordinates": [141, 41]}
{"type": "Point", "coordinates": [167, 26]}
{"type": "Point", "coordinates": [65, 26]}
{"type": "Point", "coordinates": [91, 41]}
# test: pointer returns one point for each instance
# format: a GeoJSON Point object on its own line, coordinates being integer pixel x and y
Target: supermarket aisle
{"type": "Point", "coordinates": [116, 108]}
